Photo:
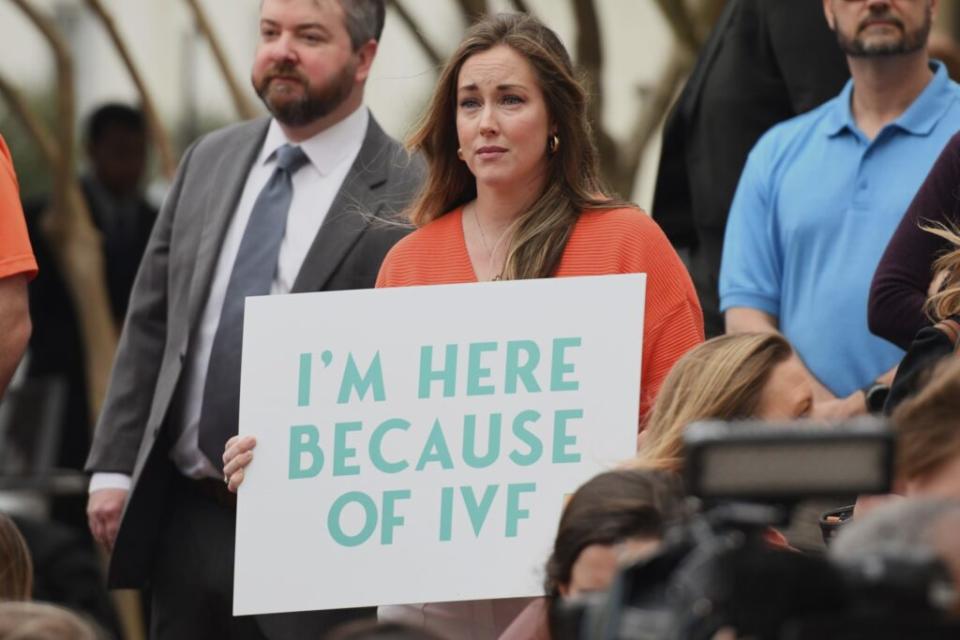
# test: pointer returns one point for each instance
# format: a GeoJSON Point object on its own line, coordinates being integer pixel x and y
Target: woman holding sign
{"type": "Point", "coordinates": [513, 192]}
{"type": "Point", "coordinates": [513, 189]}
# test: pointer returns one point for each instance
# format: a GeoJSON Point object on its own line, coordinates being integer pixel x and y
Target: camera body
{"type": "Point", "coordinates": [720, 570]}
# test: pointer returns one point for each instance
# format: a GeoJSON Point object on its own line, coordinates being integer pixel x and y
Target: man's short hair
{"type": "Point", "coordinates": [114, 115]}
{"type": "Point", "coordinates": [364, 20]}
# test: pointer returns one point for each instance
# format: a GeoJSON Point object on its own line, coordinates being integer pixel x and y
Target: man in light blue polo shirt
{"type": "Point", "coordinates": [822, 193]}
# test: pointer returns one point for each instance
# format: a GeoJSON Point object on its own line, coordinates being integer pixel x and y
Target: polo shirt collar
{"type": "Point", "coordinates": [327, 149]}
{"type": "Point", "coordinates": [920, 117]}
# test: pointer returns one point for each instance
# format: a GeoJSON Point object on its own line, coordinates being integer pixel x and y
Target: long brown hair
{"type": "Point", "coordinates": [722, 378]}
{"type": "Point", "coordinates": [573, 178]}
{"type": "Point", "coordinates": [946, 302]}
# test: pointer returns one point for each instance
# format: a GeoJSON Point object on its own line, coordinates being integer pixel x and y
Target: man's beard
{"type": "Point", "coordinates": [313, 104]}
{"type": "Point", "coordinates": [858, 47]}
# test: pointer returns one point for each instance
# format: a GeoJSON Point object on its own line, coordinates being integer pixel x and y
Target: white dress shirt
{"type": "Point", "coordinates": [331, 153]}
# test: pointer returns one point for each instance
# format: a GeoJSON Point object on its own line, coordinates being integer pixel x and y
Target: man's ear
{"type": "Point", "coordinates": [365, 55]}
{"type": "Point", "coordinates": [828, 13]}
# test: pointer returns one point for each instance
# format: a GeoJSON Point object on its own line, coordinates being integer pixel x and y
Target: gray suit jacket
{"type": "Point", "coordinates": [133, 434]}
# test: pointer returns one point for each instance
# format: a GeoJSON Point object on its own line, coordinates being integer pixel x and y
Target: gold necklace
{"type": "Point", "coordinates": [486, 245]}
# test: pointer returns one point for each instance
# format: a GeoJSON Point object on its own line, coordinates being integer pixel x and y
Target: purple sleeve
{"type": "Point", "coordinates": [899, 288]}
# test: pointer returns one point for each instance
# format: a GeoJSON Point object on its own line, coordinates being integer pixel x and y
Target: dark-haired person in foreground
{"type": "Point", "coordinates": [271, 206]}
{"type": "Point", "coordinates": [613, 519]}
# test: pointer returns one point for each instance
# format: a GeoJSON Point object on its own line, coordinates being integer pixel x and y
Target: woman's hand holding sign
{"type": "Point", "coordinates": [237, 454]}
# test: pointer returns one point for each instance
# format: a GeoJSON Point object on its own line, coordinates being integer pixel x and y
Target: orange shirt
{"type": "Point", "coordinates": [16, 255]}
{"type": "Point", "coordinates": [602, 242]}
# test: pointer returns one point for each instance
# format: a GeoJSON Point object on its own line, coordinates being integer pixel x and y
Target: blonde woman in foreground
{"type": "Point", "coordinates": [734, 377]}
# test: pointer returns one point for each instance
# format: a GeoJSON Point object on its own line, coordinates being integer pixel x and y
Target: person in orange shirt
{"type": "Point", "coordinates": [17, 268]}
{"type": "Point", "coordinates": [513, 191]}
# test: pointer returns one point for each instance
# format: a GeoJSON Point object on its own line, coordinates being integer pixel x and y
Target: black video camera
{"type": "Point", "coordinates": [719, 574]}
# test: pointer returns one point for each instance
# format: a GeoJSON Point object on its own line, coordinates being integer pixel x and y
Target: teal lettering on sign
{"type": "Point", "coordinates": [353, 381]}
{"type": "Point", "coordinates": [475, 372]}
{"type": "Point", "coordinates": [436, 449]}
{"type": "Point", "coordinates": [446, 514]}
{"type": "Point", "coordinates": [478, 510]}
{"type": "Point", "coordinates": [304, 439]}
{"type": "Point", "coordinates": [514, 512]}
{"type": "Point", "coordinates": [376, 446]}
{"type": "Point", "coordinates": [517, 372]}
{"type": "Point", "coordinates": [560, 368]}
{"type": "Point", "coordinates": [527, 437]}
{"type": "Point", "coordinates": [446, 374]}
{"type": "Point", "coordinates": [561, 439]}
{"type": "Point", "coordinates": [390, 519]}
{"type": "Point", "coordinates": [369, 522]}
{"type": "Point", "coordinates": [470, 455]}
{"type": "Point", "coordinates": [342, 454]}
{"type": "Point", "coordinates": [303, 390]}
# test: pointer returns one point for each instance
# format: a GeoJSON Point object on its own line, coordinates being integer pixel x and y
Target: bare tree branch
{"type": "Point", "coordinates": [75, 240]}
{"type": "Point", "coordinates": [65, 97]}
{"type": "Point", "coordinates": [472, 10]}
{"type": "Point", "coordinates": [35, 127]}
{"type": "Point", "coordinates": [432, 53]}
{"type": "Point", "coordinates": [158, 132]}
{"type": "Point", "coordinates": [652, 113]}
{"type": "Point", "coordinates": [520, 6]}
{"type": "Point", "coordinates": [681, 23]}
{"type": "Point", "coordinates": [588, 53]}
{"type": "Point", "coordinates": [705, 17]}
{"type": "Point", "coordinates": [240, 101]}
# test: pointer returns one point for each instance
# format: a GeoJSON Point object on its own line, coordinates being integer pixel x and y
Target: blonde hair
{"type": "Point", "coordinates": [926, 424]}
{"type": "Point", "coordinates": [573, 182]}
{"type": "Point", "coordinates": [946, 302]}
{"type": "Point", "coordinates": [16, 568]}
{"type": "Point", "coordinates": [41, 621]}
{"type": "Point", "coordinates": [722, 378]}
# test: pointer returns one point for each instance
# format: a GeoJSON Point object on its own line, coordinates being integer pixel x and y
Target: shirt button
{"type": "Point", "coordinates": [863, 185]}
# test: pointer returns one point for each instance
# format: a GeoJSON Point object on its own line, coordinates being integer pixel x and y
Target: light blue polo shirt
{"type": "Point", "coordinates": [816, 205]}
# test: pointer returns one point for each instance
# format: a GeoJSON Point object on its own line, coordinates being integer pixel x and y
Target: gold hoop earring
{"type": "Point", "coordinates": [460, 153]}
{"type": "Point", "coordinates": [553, 143]}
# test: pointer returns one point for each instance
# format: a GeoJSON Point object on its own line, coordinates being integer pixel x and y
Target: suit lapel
{"type": "Point", "coordinates": [350, 212]}
{"type": "Point", "coordinates": [226, 184]}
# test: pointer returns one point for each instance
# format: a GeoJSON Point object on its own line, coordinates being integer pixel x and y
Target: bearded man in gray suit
{"type": "Point", "coordinates": [277, 205]}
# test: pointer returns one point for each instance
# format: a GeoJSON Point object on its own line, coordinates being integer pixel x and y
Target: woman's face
{"type": "Point", "coordinates": [787, 394]}
{"type": "Point", "coordinates": [502, 120]}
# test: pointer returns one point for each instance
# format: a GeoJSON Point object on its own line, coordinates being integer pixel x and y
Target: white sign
{"type": "Point", "coordinates": [417, 444]}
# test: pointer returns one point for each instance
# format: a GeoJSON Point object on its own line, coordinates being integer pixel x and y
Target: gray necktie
{"type": "Point", "coordinates": [252, 275]}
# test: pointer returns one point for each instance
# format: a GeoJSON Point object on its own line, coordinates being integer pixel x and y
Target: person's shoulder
{"type": "Point", "coordinates": [617, 224]}
{"type": "Point", "coordinates": [239, 131]}
{"type": "Point", "coordinates": [795, 130]}
{"type": "Point", "coordinates": [437, 233]}
{"type": "Point", "coordinates": [415, 257]}
{"type": "Point", "coordinates": [404, 170]}
{"type": "Point", "coordinates": [622, 239]}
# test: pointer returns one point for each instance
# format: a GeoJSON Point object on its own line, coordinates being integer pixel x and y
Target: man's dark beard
{"type": "Point", "coordinates": [909, 43]}
{"type": "Point", "coordinates": [314, 104]}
